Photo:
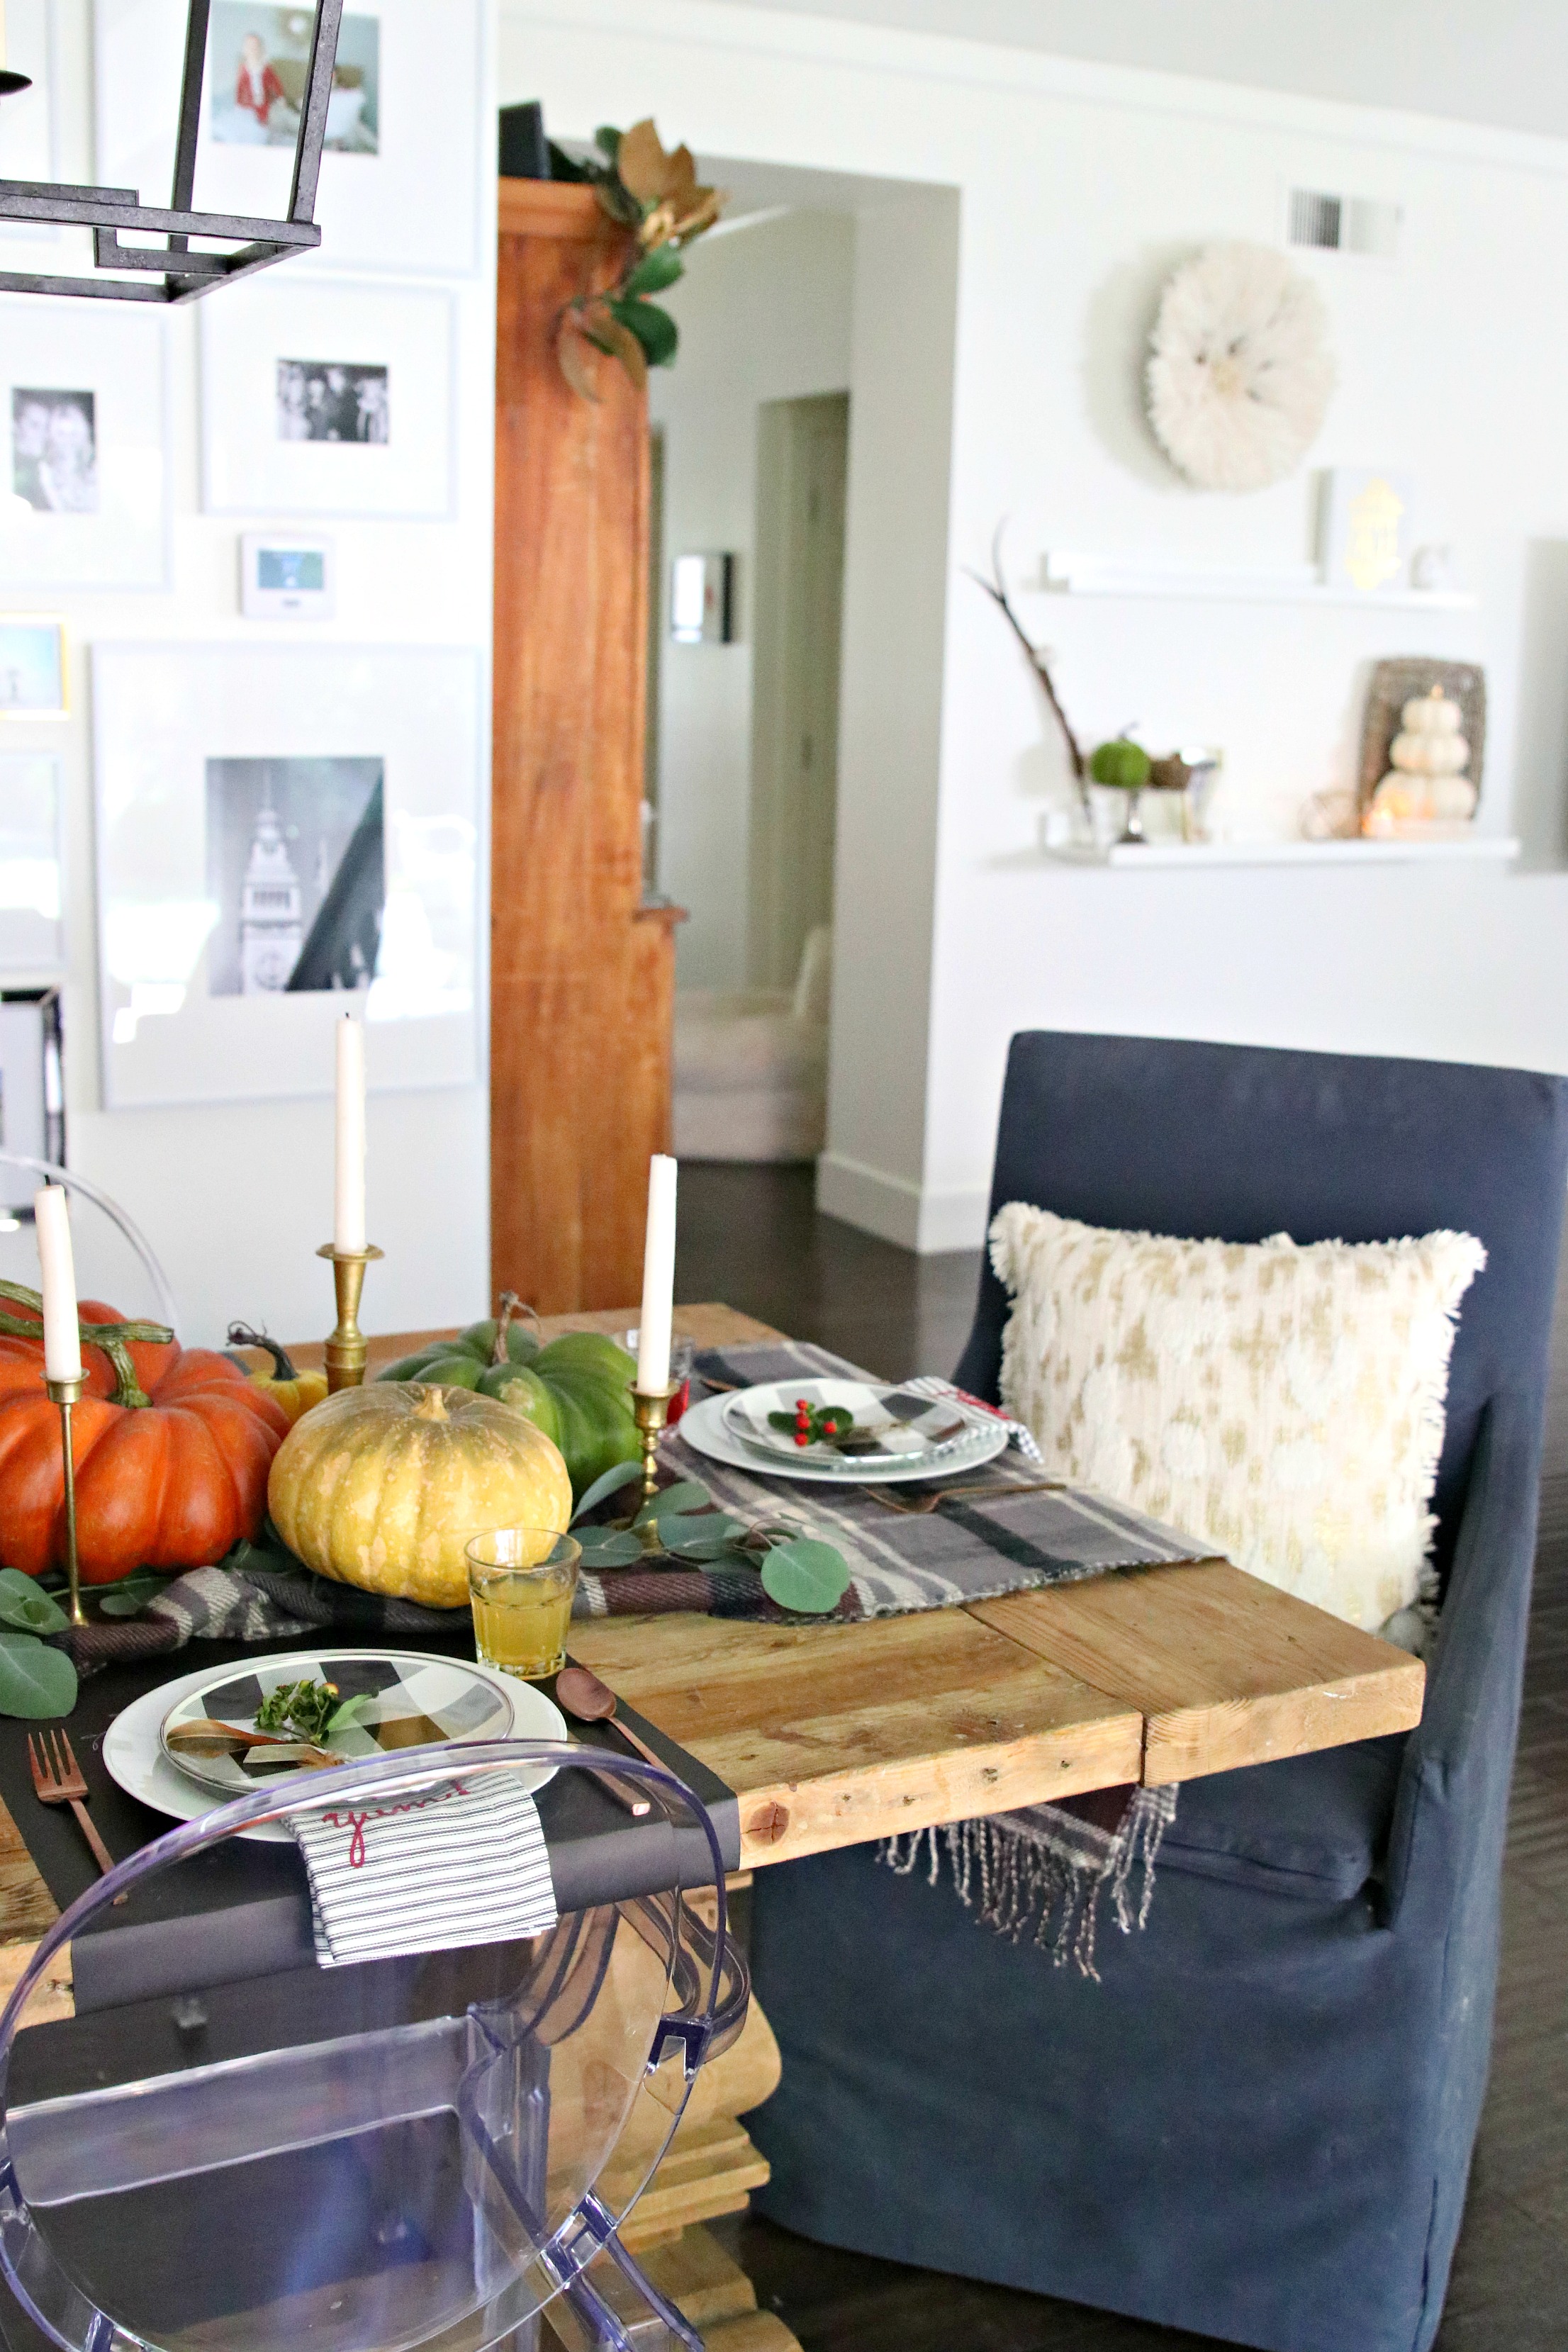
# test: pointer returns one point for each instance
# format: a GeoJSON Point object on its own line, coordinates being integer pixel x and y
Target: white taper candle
{"type": "Point", "coordinates": [657, 1277]}
{"type": "Point", "coordinates": [62, 1342]}
{"type": "Point", "coordinates": [348, 1215]}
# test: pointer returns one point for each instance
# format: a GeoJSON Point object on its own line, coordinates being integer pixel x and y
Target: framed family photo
{"type": "Point", "coordinates": [283, 832]}
{"type": "Point", "coordinates": [327, 399]}
{"type": "Point", "coordinates": [32, 887]}
{"type": "Point", "coordinates": [392, 194]}
{"type": "Point", "coordinates": [84, 462]}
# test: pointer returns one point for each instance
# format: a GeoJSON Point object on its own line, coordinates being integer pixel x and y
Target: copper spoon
{"type": "Point", "coordinates": [589, 1700]}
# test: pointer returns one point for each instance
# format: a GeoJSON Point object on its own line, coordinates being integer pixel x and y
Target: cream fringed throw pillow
{"type": "Point", "coordinates": [1283, 1405]}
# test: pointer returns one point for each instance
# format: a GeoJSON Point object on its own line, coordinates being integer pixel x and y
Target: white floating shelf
{"type": "Point", "coordinates": [1492, 849]}
{"type": "Point", "coordinates": [1069, 575]}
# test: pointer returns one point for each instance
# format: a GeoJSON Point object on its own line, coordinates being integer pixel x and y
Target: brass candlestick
{"type": "Point", "coordinates": [65, 1393]}
{"type": "Point", "coordinates": [650, 1411]}
{"type": "Point", "coordinates": [347, 1349]}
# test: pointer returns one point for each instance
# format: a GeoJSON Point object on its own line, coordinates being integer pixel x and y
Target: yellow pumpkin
{"type": "Point", "coordinates": [383, 1486]}
{"type": "Point", "coordinates": [295, 1391]}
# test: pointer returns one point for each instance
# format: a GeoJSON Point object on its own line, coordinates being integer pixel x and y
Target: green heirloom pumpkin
{"type": "Point", "coordinates": [576, 1388]}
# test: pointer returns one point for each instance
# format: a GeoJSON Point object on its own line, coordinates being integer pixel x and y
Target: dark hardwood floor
{"type": "Point", "coordinates": [752, 1238]}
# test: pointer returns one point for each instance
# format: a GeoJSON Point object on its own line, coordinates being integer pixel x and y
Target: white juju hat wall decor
{"type": "Point", "coordinates": [1240, 370]}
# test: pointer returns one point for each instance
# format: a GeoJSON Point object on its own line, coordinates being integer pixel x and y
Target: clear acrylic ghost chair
{"type": "Point", "coordinates": [114, 1259]}
{"type": "Point", "coordinates": [225, 2145]}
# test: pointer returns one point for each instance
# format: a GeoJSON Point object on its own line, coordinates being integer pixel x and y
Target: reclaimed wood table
{"type": "Point", "coordinates": [831, 1735]}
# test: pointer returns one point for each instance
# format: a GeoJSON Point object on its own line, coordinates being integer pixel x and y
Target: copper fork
{"type": "Point", "coordinates": [925, 1504]}
{"type": "Point", "coordinates": [56, 1780]}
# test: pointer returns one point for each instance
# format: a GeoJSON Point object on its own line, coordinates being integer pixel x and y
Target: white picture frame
{"type": "Point", "coordinates": [183, 733]}
{"type": "Point", "coordinates": [269, 341]}
{"type": "Point", "coordinates": [101, 518]}
{"type": "Point", "coordinates": [32, 865]}
{"type": "Point", "coordinates": [288, 575]}
{"type": "Point", "coordinates": [30, 121]}
{"type": "Point", "coordinates": [412, 206]}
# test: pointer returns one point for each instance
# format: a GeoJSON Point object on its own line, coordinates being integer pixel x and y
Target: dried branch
{"type": "Point", "coordinates": [997, 588]}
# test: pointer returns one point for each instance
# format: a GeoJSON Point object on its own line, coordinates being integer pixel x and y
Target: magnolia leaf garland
{"type": "Point", "coordinates": [657, 197]}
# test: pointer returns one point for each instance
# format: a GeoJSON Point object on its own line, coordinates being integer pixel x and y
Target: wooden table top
{"type": "Point", "coordinates": [834, 1734]}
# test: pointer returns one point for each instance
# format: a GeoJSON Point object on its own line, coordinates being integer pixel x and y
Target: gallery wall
{"type": "Point", "coordinates": [765, 314]}
{"type": "Point", "coordinates": [1079, 188]}
{"type": "Point", "coordinates": [217, 1138]}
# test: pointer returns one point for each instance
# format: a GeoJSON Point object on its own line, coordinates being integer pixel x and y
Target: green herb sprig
{"type": "Point", "coordinates": [310, 1709]}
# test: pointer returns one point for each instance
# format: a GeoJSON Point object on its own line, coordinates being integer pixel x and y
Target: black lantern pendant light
{"type": "Point", "coordinates": [176, 273]}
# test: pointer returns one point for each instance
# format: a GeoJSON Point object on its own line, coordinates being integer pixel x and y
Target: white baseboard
{"type": "Point", "coordinates": [897, 1209]}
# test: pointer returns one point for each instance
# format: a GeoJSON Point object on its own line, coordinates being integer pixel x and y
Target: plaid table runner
{"type": "Point", "coordinates": [930, 1543]}
{"type": "Point", "coordinates": [925, 1544]}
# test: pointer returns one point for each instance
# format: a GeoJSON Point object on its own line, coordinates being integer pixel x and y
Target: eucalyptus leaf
{"type": "Point", "coordinates": [621, 1473]}
{"type": "Point", "coordinates": [806, 1576]}
{"type": "Point", "coordinates": [656, 270]}
{"type": "Point", "coordinates": [35, 1680]}
{"type": "Point", "coordinates": [610, 1548]}
{"type": "Point", "coordinates": [130, 1596]}
{"type": "Point", "coordinates": [688, 1494]}
{"type": "Point", "coordinates": [718, 1545]}
{"type": "Point", "coordinates": [23, 1605]}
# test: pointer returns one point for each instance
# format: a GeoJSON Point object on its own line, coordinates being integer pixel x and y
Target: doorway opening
{"type": "Point", "coordinates": [803, 464]}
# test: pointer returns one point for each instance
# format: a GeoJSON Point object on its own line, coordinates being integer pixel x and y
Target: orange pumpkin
{"type": "Point", "coordinates": [172, 1446]}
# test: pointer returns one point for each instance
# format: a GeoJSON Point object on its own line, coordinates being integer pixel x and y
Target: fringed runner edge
{"type": "Point", "coordinates": [1013, 1870]}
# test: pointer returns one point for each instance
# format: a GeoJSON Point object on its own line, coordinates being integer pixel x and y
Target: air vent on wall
{"type": "Point", "coordinates": [1342, 223]}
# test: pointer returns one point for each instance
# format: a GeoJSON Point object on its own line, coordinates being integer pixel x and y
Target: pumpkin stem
{"type": "Point", "coordinates": [511, 1305]}
{"type": "Point", "coordinates": [240, 1335]}
{"type": "Point", "coordinates": [432, 1406]}
{"type": "Point", "coordinates": [112, 1337]}
{"type": "Point", "coordinates": [23, 1295]}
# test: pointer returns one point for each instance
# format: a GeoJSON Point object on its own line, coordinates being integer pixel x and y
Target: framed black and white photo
{"type": "Point", "coordinates": [322, 399]}
{"type": "Point", "coordinates": [84, 464]}
{"type": "Point", "coordinates": [400, 186]}
{"type": "Point", "coordinates": [283, 832]}
{"type": "Point", "coordinates": [32, 890]}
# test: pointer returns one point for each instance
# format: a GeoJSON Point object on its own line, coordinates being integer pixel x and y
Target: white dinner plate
{"type": "Point", "coordinates": [889, 1424]}
{"type": "Point", "coordinates": [704, 1428]}
{"type": "Point", "coordinates": [134, 1756]}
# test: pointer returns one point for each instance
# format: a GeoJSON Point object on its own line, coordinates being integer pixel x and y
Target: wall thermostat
{"type": "Point", "coordinates": [292, 577]}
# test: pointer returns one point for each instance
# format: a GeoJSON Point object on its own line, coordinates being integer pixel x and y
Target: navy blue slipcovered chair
{"type": "Point", "coordinates": [1258, 2125]}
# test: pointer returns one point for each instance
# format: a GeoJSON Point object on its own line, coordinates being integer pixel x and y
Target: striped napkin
{"type": "Point", "coordinates": [429, 1870]}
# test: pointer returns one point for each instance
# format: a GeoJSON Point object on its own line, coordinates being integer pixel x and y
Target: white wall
{"type": "Point", "coordinates": [236, 1199]}
{"type": "Point", "coordinates": [1468, 58]}
{"type": "Point", "coordinates": [1079, 186]}
{"type": "Point", "coordinates": [765, 314]}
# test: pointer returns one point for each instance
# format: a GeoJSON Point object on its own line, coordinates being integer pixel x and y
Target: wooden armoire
{"type": "Point", "coordinates": [581, 974]}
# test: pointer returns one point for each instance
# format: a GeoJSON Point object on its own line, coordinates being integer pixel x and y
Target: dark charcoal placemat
{"type": "Point", "coordinates": [592, 1841]}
